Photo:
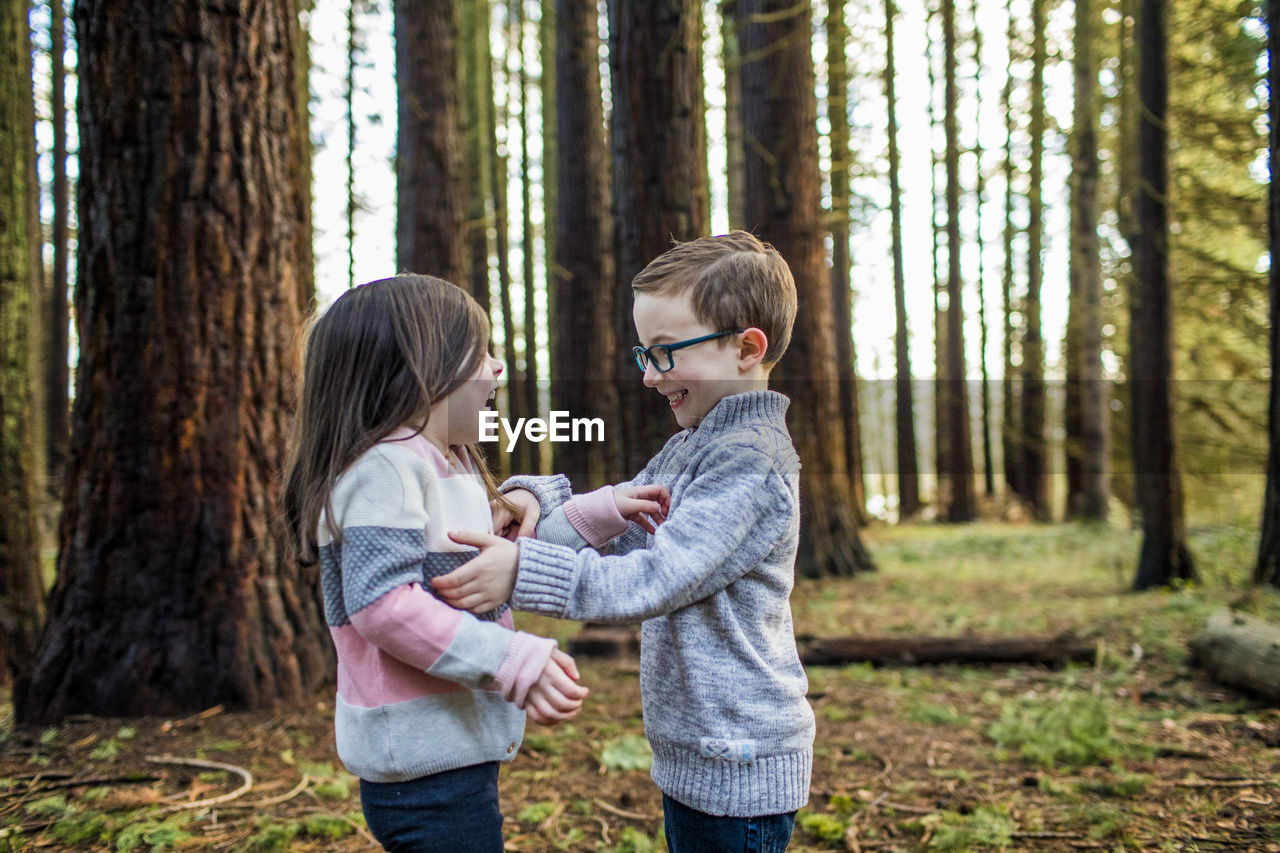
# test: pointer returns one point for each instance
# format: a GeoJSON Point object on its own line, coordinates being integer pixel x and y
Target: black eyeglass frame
{"type": "Point", "coordinates": [649, 354]}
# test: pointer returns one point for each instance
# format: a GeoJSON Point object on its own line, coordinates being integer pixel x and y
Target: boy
{"type": "Point", "coordinates": [722, 685]}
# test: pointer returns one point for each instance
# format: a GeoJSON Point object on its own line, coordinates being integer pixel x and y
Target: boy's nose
{"type": "Point", "coordinates": [651, 375]}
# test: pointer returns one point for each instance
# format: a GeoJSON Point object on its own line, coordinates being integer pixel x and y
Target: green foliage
{"type": "Point", "coordinates": [1126, 785]}
{"type": "Point", "coordinates": [160, 835]}
{"type": "Point", "coordinates": [1072, 730]}
{"type": "Point", "coordinates": [331, 784]}
{"type": "Point", "coordinates": [328, 827]}
{"type": "Point", "coordinates": [629, 752]}
{"type": "Point", "coordinates": [986, 827]}
{"type": "Point", "coordinates": [271, 837]}
{"type": "Point", "coordinates": [933, 714]}
{"type": "Point", "coordinates": [83, 828]}
{"type": "Point", "coordinates": [824, 826]}
{"type": "Point", "coordinates": [537, 812]}
{"type": "Point", "coordinates": [543, 744]}
{"type": "Point", "coordinates": [633, 840]}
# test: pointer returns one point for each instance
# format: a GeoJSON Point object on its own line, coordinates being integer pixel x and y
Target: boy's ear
{"type": "Point", "coordinates": [753, 348]}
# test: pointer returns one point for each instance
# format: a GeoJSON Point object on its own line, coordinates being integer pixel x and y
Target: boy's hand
{"type": "Point", "coordinates": [647, 506]}
{"type": "Point", "coordinates": [523, 522]}
{"type": "Point", "coordinates": [555, 696]}
{"type": "Point", "coordinates": [485, 581]}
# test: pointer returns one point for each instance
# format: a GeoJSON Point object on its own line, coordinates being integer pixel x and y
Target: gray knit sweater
{"type": "Point", "coordinates": [721, 680]}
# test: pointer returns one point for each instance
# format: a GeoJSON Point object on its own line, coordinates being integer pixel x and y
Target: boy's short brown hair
{"type": "Point", "coordinates": [734, 281]}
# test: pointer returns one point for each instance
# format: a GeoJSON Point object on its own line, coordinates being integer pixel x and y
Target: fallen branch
{"type": "Point", "coordinates": [206, 765]}
{"type": "Point", "coordinates": [1048, 651]}
{"type": "Point", "coordinates": [617, 812]}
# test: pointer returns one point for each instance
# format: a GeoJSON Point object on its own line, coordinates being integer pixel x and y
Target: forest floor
{"type": "Point", "coordinates": [1134, 752]}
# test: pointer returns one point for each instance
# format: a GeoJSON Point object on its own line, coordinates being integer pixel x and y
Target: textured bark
{"type": "Point", "coordinates": [915, 651]}
{"type": "Point", "coordinates": [475, 66]}
{"type": "Point", "coordinates": [1164, 557]}
{"type": "Point", "coordinates": [1010, 443]}
{"type": "Point", "coordinates": [584, 311]}
{"type": "Point", "coordinates": [1088, 464]}
{"type": "Point", "coordinates": [841, 262]}
{"type": "Point", "coordinates": [783, 204]}
{"type": "Point", "coordinates": [735, 152]}
{"type": "Point", "coordinates": [21, 588]}
{"type": "Point", "coordinates": [953, 387]}
{"type": "Point", "coordinates": [57, 373]}
{"type": "Point", "coordinates": [979, 193]}
{"type": "Point", "coordinates": [431, 182]}
{"type": "Point", "coordinates": [530, 460]}
{"type": "Point", "coordinates": [174, 592]}
{"type": "Point", "coordinates": [1035, 456]}
{"type": "Point", "coordinates": [659, 159]}
{"type": "Point", "coordinates": [904, 417]}
{"type": "Point", "coordinates": [1268, 568]}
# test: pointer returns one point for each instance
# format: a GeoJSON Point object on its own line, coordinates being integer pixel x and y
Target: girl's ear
{"type": "Point", "coordinates": [753, 348]}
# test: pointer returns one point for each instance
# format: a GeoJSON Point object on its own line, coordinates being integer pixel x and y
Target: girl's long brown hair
{"type": "Point", "coordinates": [377, 359]}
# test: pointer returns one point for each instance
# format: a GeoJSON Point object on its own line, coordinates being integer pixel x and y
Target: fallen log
{"type": "Point", "coordinates": [910, 651]}
{"type": "Point", "coordinates": [1240, 651]}
{"type": "Point", "coordinates": [596, 640]}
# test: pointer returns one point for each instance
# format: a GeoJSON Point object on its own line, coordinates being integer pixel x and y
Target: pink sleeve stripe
{"type": "Point", "coordinates": [409, 623]}
{"type": "Point", "coordinates": [369, 677]}
{"type": "Point", "coordinates": [595, 516]}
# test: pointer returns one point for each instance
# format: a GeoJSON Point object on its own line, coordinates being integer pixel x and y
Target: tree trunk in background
{"type": "Point", "coordinates": [531, 460]}
{"type": "Point", "coordinates": [659, 163]}
{"type": "Point", "coordinates": [21, 585]}
{"type": "Point", "coordinates": [735, 151]}
{"type": "Point", "coordinates": [953, 388]}
{"type": "Point", "coordinates": [57, 373]}
{"type": "Point", "coordinates": [476, 70]}
{"type": "Point", "coordinates": [979, 192]}
{"type": "Point", "coordinates": [1088, 463]}
{"type": "Point", "coordinates": [779, 111]}
{"type": "Point", "coordinates": [523, 459]}
{"type": "Point", "coordinates": [904, 418]}
{"type": "Point", "coordinates": [841, 262]}
{"type": "Point", "coordinates": [174, 592]}
{"type": "Point", "coordinates": [1035, 457]}
{"type": "Point", "coordinates": [941, 445]}
{"type": "Point", "coordinates": [1010, 432]}
{"type": "Point", "coordinates": [1157, 477]}
{"type": "Point", "coordinates": [1268, 569]}
{"type": "Point", "coordinates": [431, 194]}
{"type": "Point", "coordinates": [584, 354]}
{"type": "Point", "coordinates": [349, 94]}
{"type": "Point", "coordinates": [550, 157]}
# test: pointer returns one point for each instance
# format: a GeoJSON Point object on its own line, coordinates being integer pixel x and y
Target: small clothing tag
{"type": "Point", "coordinates": [738, 751]}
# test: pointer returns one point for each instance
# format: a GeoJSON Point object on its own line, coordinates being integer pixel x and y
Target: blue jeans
{"type": "Point", "coordinates": [441, 813]}
{"type": "Point", "coordinates": [691, 831]}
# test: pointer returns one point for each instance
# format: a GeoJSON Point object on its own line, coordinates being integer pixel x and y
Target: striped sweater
{"type": "Point", "coordinates": [422, 687]}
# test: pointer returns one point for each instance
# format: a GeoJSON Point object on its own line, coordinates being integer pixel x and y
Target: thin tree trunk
{"type": "Point", "coordinates": [908, 465]}
{"type": "Point", "coordinates": [349, 94]}
{"type": "Point", "coordinates": [1010, 441]}
{"type": "Point", "coordinates": [174, 592]}
{"type": "Point", "coordinates": [1268, 568]}
{"type": "Point", "coordinates": [57, 372]}
{"type": "Point", "coordinates": [1034, 451]}
{"type": "Point", "coordinates": [841, 262]}
{"type": "Point", "coordinates": [532, 460]}
{"type": "Point", "coordinates": [735, 150]}
{"type": "Point", "coordinates": [476, 66]}
{"type": "Point", "coordinates": [779, 110]}
{"type": "Point", "coordinates": [1164, 557]}
{"type": "Point", "coordinates": [21, 586]}
{"type": "Point", "coordinates": [961, 507]}
{"type": "Point", "coordinates": [522, 459]}
{"type": "Point", "coordinates": [941, 445]}
{"type": "Point", "coordinates": [583, 352]}
{"type": "Point", "coordinates": [979, 192]}
{"type": "Point", "coordinates": [1088, 465]}
{"type": "Point", "coordinates": [431, 194]}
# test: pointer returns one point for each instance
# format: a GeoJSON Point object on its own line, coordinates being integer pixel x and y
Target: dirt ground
{"type": "Point", "coordinates": [906, 759]}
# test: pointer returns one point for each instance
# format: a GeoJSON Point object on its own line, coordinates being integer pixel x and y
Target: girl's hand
{"type": "Point", "coordinates": [523, 522]}
{"type": "Point", "coordinates": [485, 581]}
{"type": "Point", "coordinates": [647, 506]}
{"type": "Point", "coordinates": [556, 696]}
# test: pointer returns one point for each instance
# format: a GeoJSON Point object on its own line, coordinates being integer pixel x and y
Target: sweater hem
{"type": "Point", "coordinates": [769, 785]}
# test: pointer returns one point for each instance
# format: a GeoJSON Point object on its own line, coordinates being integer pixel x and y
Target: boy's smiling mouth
{"type": "Point", "coordinates": [675, 398]}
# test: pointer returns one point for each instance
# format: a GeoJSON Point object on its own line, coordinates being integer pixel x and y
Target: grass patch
{"type": "Point", "coordinates": [1064, 729]}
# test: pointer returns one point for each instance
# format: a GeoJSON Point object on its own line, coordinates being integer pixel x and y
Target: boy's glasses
{"type": "Point", "coordinates": [661, 355]}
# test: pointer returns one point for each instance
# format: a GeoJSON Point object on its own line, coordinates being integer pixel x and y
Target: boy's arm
{"type": "Point", "coordinates": [736, 511]}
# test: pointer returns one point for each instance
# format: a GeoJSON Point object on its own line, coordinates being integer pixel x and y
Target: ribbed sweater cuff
{"type": "Point", "coordinates": [595, 515]}
{"type": "Point", "coordinates": [544, 580]}
{"type": "Point", "coordinates": [526, 659]}
{"type": "Point", "coordinates": [550, 491]}
{"type": "Point", "coordinates": [770, 785]}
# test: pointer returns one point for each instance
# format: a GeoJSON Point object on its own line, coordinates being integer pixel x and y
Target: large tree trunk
{"type": "Point", "coordinates": [584, 312]}
{"type": "Point", "coordinates": [21, 588]}
{"type": "Point", "coordinates": [1268, 569]}
{"type": "Point", "coordinates": [961, 506]}
{"type": "Point", "coordinates": [904, 415]}
{"type": "Point", "coordinates": [841, 262]}
{"type": "Point", "coordinates": [783, 204]}
{"type": "Point", "coordinates": [431, 195]}
{"type": "Point", "coordinates": [1035, 457]}
{"type": "Point", "coordinates": [174, 592]}
{"type": "Point", "coordinates": [1156, 474]}
{"type": "Point", "coordinates": [1088, 465]}
{"type": "Point", "coordinates": [57, 373]}
{"type": "Point", "coordinates": [659, 160]}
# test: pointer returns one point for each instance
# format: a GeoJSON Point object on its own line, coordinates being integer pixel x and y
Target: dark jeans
{"type": "Point", "coordinates": [691, 831]}
{"type": "Point", "coordinates": [442, 813]}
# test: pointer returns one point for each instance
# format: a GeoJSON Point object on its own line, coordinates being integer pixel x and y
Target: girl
{"type": "Point", "coordinates": [430, 698]}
